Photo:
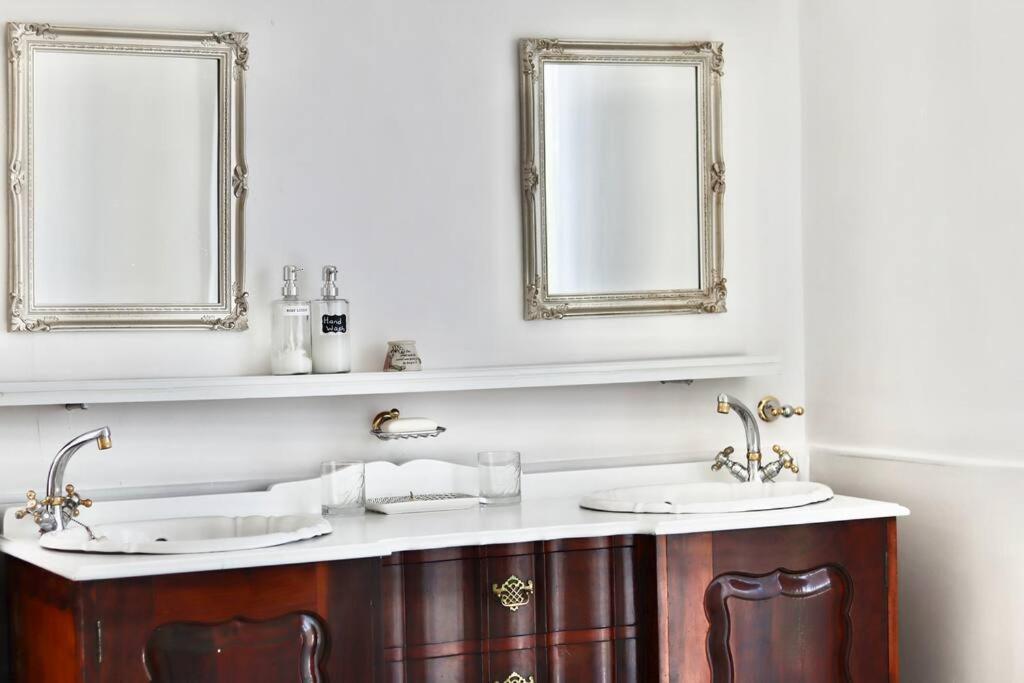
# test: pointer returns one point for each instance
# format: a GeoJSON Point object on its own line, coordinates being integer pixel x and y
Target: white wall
{"type": "Point", "coordinates": [383, 137]}
{"type": "Point", "coordinates": [913, 202]}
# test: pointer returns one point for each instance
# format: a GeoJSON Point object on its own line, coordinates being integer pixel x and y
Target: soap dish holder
{"type": "Point", "coordinates": [380, 418]}
{"type": "Point", "coordinates": [391, 436]}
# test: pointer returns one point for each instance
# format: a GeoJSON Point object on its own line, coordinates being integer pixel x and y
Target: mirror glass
{"type": "Point", "coordinates": [128, 178]}
{"type": "Point", "coordinates": [621, 177]}
{"type": "Point", "coordinates": [135, 168]}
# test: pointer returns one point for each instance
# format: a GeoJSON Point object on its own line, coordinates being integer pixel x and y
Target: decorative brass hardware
{"type": "Point", "coordinates": [381, 418]}
{"type": "Point", "coordinates": [30, 505]}
{"type": "Point", "coordinates": [719, 462]}
{"type": "Point", "coordinates": [786, 459]}
{"type": "Point", "coordinates": [769, 409]}
{"type": "Point", "coordinates": [72, 501]}
{"type": "Point", "coordinates": [514, 593]}
{"type": "Point", "coordinates": [517, 678]}
{"type": "Point", "coordinates": [68, 504]}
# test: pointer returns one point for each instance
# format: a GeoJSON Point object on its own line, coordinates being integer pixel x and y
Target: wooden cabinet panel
{"type": "Point", "coordinates": [580, 589]}
{"type": "Point", "coordinates": [517, 580]}
{"type": "Point", "coordinates": [441, 602]}
{"type": "Point", "coordinates": [507, 665]}
{"type": "Point", "coordinates": [452, 669]}
{"type": "Point", "coordinates": [289, 648]}
{"type": "Point", "coordinates": [790, 615]}
{"type": "Point", "coordinates": [805, 603]}
{"type": "Point", "coordinates": [591, 662]}
{"type": "Point", "coordinates": [802, 603]}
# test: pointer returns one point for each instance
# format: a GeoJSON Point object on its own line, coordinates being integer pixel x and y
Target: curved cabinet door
{"type": "Point", "coordinates": [288, 648]}
{"type": "Point", "coordinates": [808, 604]}
{"type": "Point", "coordinates": [800, 612]}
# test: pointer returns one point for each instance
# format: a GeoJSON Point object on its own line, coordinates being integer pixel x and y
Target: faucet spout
{"type": "Point", "coordinates": [750, 429]}
{"type": "Point", "coordinates": [55, 476]}
{"type": "Point", "coordinates": [726, 404]}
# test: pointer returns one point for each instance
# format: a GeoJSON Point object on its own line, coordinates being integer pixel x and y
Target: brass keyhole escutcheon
{"type": "Point", "coordinates": [514, 593]}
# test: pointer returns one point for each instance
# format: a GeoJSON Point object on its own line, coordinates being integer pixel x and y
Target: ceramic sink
{"type": "Point", "coordinates": [188, 534]}
{"type": "Point", "coordinates": [708, 497]}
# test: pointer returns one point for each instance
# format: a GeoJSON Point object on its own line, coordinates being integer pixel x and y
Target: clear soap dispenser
{"type": "Point", "coordinates": [331, 343]}
{"type": "Point", "coordinates": [290, 352]}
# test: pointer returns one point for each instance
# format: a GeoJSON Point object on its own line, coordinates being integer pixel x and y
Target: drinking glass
{"type": "Point", "coordinates": [500, 472]}
{"type": "Point", "coordinates": [342, 488]}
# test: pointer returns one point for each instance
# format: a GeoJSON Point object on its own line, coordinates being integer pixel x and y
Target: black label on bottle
{"type": "Point", "coordinates": [334, 324]}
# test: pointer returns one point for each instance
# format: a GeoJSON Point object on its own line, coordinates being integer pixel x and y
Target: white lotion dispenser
{"type": "Point", "coordinates": [290, 352]}
{"type": "Point", "coordinates": [332, 347]}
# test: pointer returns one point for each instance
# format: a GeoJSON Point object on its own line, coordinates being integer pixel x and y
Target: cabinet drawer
{"type": "Point", "coordinates": [513, 595]}
{"type": "Point", "coordinates": [590, 589]}
{"type": "Point", "coordinates": [513, 666]}
{"type": "Point", "coordinates": [452, 669]}
{"type": "Point", "coordinates": [431, 602]}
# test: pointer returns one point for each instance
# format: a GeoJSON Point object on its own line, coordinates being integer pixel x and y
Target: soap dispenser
{"type": "Point", "coordinates": [331, 343]}
{"type": "Point", "coordinates": [290, 345]}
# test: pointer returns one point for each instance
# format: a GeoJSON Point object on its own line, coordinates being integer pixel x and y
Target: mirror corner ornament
{"type": "Point", "coordinates": [710, 297]}
{"type": "Point", "coordinates": [231, 310]}
{"type": "Point", "coordinates": [536, 309]}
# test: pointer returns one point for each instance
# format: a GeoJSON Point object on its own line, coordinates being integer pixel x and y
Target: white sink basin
{"type": "Point", "coordinates": [188, 534]}
{"type": "Point", "coordinates": [708, 497]}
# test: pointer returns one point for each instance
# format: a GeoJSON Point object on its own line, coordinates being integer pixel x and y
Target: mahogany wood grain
{"type": "Point", "coordinates": [688, 568]}
{"type": "Point", "coordinates": [786, 614]}
{"type": "Point", "coordinates": [783, 634]}
{"type": "Point", "coordinates": [353, 620]}
{"type": "Point", "coordinates": [580, 590]}
{"type": "Point", "coordinates": [528, 662]}
{"type": "Point", "coordinates": [892, 611]}
{"type": "Point", "coordinates": [615, 610]}
{"type": "Point", "coordinates": [5, 641]}
{"type": "Point", "coordinates": [287, 648]}
{"type": "Point", "coordinates": [502, 622]}
{"type": "Point", "coordinates": [42, 622]}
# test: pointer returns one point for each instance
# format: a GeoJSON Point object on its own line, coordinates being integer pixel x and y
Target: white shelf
{"type": "Point", "coordinates": [381, 383]}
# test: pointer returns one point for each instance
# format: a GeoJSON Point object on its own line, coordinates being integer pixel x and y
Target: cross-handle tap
{"type": "Point", "coordinates": [785, 462]}
{"type": "Point", "coordinates": [55, 510]}
{"type": "Point", "coordinates": [44, 511]}
{"type": "Point", "coordinates": [723, 460]}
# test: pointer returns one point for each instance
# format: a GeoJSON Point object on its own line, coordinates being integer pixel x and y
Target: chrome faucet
{"type": "Point", "coordinates": [61, 503]}
{"type": "Point", "coordinates": [753, 468]}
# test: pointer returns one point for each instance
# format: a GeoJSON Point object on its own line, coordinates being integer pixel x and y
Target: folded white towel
{"type": "Point", "coordinates": [408, 424]}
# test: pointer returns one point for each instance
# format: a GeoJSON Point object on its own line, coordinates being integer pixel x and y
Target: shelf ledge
{"type": "Point", "coordinates": [382, 383]}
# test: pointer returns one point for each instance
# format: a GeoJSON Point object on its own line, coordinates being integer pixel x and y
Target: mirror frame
{"type": "Point", "coordinates": [706, 56]}
{"type": "Point", "coordinates": [230, 50]}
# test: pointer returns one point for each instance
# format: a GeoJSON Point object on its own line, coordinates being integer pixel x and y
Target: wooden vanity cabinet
{"type": "Point", "coordinates": [557, 610]}
{"type": "Point", "coordinates": [288, 623]}
{"type": "Point", "coordinates": [813, 603]}
{"type": "Point", "coordinates": [807, 604]}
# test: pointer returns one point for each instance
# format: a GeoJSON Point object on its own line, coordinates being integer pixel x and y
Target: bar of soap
{"type": "Point", "coordinates": [408, 424]}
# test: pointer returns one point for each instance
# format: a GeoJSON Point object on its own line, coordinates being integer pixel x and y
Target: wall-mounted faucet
{"type": "Point", "coordinates": [753, 468]}
{"type": "Point", "coordinates": [61, 503]}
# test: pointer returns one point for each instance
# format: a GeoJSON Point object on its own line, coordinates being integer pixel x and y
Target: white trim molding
{"type": "Point", "coordinates": [381, 383]}
{"type": "Point", "coordinates": [1014, 461]}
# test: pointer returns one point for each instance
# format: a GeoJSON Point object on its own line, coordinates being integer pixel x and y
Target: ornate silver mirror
{"type": "Point", "coordinates": [127, 178]}
{"type": "Point", "coordinates": [622, 178]}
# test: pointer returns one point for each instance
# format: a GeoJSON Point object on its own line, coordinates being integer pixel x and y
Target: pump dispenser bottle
{"type": "Point", "coordinates": [331, 343]}
{"type": "Point", "coordinates": [290, 344]}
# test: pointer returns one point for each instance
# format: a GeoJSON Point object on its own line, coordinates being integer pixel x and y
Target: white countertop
{"type": "Point", "coordinates": [374, 535]}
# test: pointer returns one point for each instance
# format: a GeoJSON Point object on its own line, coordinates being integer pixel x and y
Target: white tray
{"type": "Point", "coordinates": [428, 502]}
